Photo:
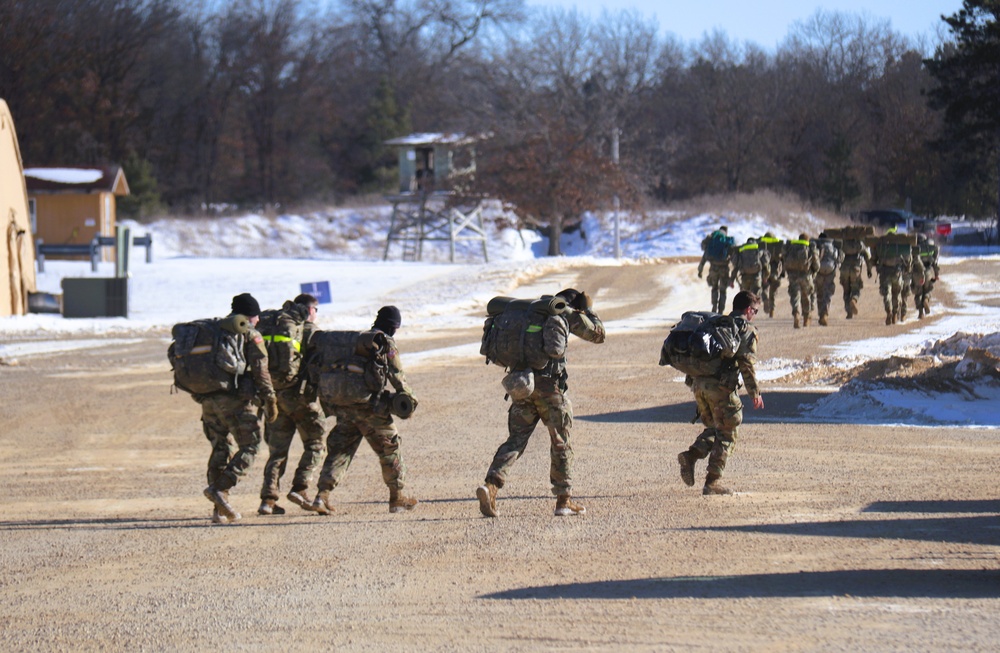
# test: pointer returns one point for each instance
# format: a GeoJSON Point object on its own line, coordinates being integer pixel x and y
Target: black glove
{"type": "Point", "coordinates": [583, 302]}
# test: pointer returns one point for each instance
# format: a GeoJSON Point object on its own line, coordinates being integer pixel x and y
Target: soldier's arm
{"type": "Point", "coordinates": [555, 336]}
{"type": "Point", "coordinates": [587, 325]}
{"type": "Point", "coordinates": [397, 379]}
{"type": "Point", "coordinates": [256, 355]}
{"type": "Point", "coordinates": [746, 357]}
{"type": "Point", "coordinates": [701, 264]}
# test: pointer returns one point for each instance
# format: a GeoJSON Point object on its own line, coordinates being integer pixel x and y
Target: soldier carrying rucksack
{"type": "Point", "coordinates": [752, 264]}
{"type": "Point", "coordinates": [801, 264]}
{"type": "Point", "coordinates": [856, 259]}
{"type": "Point", "coordinates": [287, 333]}
{"type": "Point", "coordinates": [776, 271]}
{"type": "Point", "coordinates": [529, 339]}
{"type": "Point", "coordinates": [352, 370]}
{"type": "Point", "coordinates": [928, 252]}
{"type": "Point", "coordinates": [716, 252]}
{"type": "Point", "coordinates": [830, 258]}
{"type": "Point", "coordinates": [714, 352]}
{"type": "Point", "coordinates": [223, 364]}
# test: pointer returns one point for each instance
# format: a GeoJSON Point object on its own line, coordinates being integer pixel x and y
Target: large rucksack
{"type": "Point", "coordinates": [348, 368]}
{"type": "Point", "coordinates": [206, 356]}
{"type": "Point", "coordinates": [852, 247]}
{"type": "Point", "coordinates": [798, 255]}
{"type": "Point", "coordinates": [893, 250]}
{"type": "Point", "coordinates": [283, 332]}
{"type": "Point", "coordinates": [717, 246]}
{"type": "Point", "coordinates": [701, 344]}
{"type": "Point", "coordinates": [828, 255]}
{"type": "Point", "coordinates": [750, 258]}
{"type": "Point", "coordinates": [512, 332]}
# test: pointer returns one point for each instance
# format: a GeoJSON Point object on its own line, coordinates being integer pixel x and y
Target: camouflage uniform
{"type": "Point", "coordinates": [299, 409]}
{"type": "Point", "coordinates": [752, 264]}
{"type": "Point", "coordinates": [374, 425]}
{"type": "Point", "coordinates": [800, 282]}
{"type": "Point", "coordinates": [912, 276]}
{"type": "Point", "coordinates": [719, 405]}
{"type": "Point", "coordinates": [548, 404]}
{"type": "Point", "coordinates": [826, 282]}
{"type": "Point", "coordinates": [851, 279]}
{"type": "Point", "coordinates": [775, 273]}
{"type": "Point", "coordinates": [891, 276]}
{"type": "Point", "coordinates": [228, 416]}
{"type": "Point", "coordinates": [922, 292]}
{"type": "Point", "coordinates": [718, 275]}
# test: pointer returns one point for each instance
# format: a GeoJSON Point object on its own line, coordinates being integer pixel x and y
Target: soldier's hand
{"type": "Point", "coordinates": [936, 277]}
{"type": "Point", "coordinates": [869, 274]}
{"type": "Point", "coordinates": [271, 407]}
{"type": "Point", "coordinates": [585, 301]}
{"type": "Point", "coordinates": [699, 274]}
{"type": "Point", "coordinates": [758, 402]}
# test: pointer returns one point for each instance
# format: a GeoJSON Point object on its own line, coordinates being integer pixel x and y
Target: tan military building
{"type": "Point", "coordinates": [17, 250]}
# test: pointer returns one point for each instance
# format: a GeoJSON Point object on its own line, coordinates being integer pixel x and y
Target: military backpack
{"type": "Point", "coordinates": [702, 343]}
{"type": "Point", "coordinates": [348, 368]}
{"type": "Point", "coordinates": [717, 246]}
{"type": "Point", "coordinates": [798, 256]}
{"type": "Point", "coordinates": [207, 356]}
{"type": "Point", "coordinates": [283, 332]}
{"type": "Point", "coordinates": [750, 258]}
{"type": "Point", "coordinates": [828, 255]}
{"type": "Point", "coordinates": [512, 332]}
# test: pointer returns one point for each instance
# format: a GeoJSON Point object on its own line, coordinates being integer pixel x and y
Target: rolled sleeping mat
{"type": "Point", "coordinates": [548, 304]}
{"type": "Point", "coordinates": [402, 405]}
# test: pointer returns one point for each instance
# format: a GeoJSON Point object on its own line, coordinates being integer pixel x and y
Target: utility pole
{"type": "Point", "coordinates": [616, 202]}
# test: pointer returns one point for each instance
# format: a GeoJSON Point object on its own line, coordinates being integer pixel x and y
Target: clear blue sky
{"type": "Point", "coordinates": [764, 22]}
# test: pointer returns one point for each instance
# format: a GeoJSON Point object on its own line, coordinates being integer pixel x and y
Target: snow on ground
{"type": "Point", "coordinates": [199, 265]}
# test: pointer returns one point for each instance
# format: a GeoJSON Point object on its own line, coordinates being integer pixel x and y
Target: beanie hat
{"type": "Point", "coordinates": [245, 304]}
{"type": "Point", "coordinates": [388, 318]}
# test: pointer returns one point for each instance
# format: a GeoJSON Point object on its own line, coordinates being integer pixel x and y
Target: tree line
{"type": "Point", "coordinates": [263, 102]}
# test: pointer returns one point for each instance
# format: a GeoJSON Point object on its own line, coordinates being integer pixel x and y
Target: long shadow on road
{"type": "Point", "coordinates": [777, 406]}
{"type": "Point", "coordinates": [870, 583]}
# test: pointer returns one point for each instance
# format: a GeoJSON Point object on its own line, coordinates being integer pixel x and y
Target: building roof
{"type": "Point", "coordinates": [431, 138]}
{"type": "Point", "coordinates": [77, 179]}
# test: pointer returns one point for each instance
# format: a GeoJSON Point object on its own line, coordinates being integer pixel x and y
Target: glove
{"type": "Point", "coordinates": [869, 274]}
{"type": "Point", "coordinates": [271, 408]}
{"type": "Point", "coordinates": [585, 301]}
{"type": "Point", "coordinates": [699, 274]}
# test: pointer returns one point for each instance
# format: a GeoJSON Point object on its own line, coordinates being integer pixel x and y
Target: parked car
{"type": "Point", "coordinates": [905, 221]}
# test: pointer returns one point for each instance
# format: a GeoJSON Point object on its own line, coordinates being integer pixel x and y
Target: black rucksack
{"type": "Point", "coordinates": [512, 332]}
{"type": "Point", "coordinates": [207, 356]}
{"type": "Point", "coordinates": [348, 367]}
{"type": "Point", "coordinates": [701, 344]}
{"type": "Point", "coordinates": [283, 332]}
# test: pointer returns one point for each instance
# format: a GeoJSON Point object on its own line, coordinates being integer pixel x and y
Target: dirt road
{"type": "Point", "coordinates": [842, 537]}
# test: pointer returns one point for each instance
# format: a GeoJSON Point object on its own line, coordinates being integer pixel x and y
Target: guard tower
{"type": "Point", "coordinates": [432, 169]}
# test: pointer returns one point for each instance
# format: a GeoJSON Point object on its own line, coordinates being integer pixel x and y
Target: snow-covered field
{"type": "Point", "coordinates": [198, 265]}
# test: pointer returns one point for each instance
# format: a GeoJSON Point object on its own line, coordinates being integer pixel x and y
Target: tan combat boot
{"type": "Point", "coordinates": [805, 320]}
{"type": "Point", "coordinates": [399, 502]}
{"type": "Point", "coordinates": [221, 500]}
{"type": "Point", "coordinates": [713, 486]}
{"type": "Point", "coordinates": [853, 309]}
{"type": "Point", "coordinates": [566, 508]}
{"type": "Point", "coordinates": [270, 507]}
{"type": "Point", "coordinates": [301, 499]}
{"type": "Point", "coordinates": [795, 320]}
{"type": "Point", "coordinates": [822, 320]}
{"type": "Point", "coordinates": [889, 318]}
{"type": "Point", "coordinates": [321, 503]}
{"type": "Point", "coordinates": [487, 495]}
{"type": "Point", "coordinates": [687, 467]}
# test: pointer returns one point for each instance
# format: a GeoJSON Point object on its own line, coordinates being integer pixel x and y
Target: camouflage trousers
{"type": "Point", "coordinates": [752, 283]}
{"type": "Point", "coordinates": [905, 288]}
{"type": "Point", "coordinates": [852, 281]}
{"type": "Point", "coordinates": [233, 428]}
{"type": "Point", "coordinates": [718, 281]}
{"type": "Point", "coordinates": [552, 407]}
{"type": "Point", "coordinates": [826, 288]}
{"type": "Point", "coordinates": [800, 292]}
{"type": "Point", "coordinates": [922, 294]}
{"type": "Point", "coordinates": [721, 412]}
{"type": "Point", "coordinates": [890, 286]}
{"type": "Point", "coordinates": [301, 413]}
{"type": "Point", "coordinates": [355, 423]}
{"type": "Point", "coordinates": [770, 291]}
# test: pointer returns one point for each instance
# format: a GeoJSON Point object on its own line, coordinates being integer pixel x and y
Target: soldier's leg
{"type": "Point", "coordinates": [245, 426]}
{"type": "Point", "coordinates": [309, 419]}
{"type": "Point", "coordinates": [383, 438]}
{"type": "Point", "coordinates": [217, 434]}
{"type": "Point", "coordinates": [278, 436]}
{"type": "Point", "coordinates": [713, 283]}
{"type": "Point", "coordinates": [556, 413]}
{"type": "Point", "coordinates": [522, 417]}
{"type": "Point", "coordinates": [884, 281]}
{"type": "Point", "coordinates": [341, 445]}
{"type": "Point", "coordinates": [794, 298]}
{"type": "Point", "coordinates": [728, 411]}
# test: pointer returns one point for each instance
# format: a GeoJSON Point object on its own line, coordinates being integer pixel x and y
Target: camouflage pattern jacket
{"type": "Point", "coordinates": [555, 338]}
{"type": "Point", "coordinates": [743, 362]}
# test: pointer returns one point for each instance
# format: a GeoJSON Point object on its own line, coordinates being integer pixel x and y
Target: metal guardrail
{"type": "Point", "coordinates": [91, 249]}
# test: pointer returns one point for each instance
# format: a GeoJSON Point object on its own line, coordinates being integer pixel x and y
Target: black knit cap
{"type": "Point", "coordinates": [388, 318]}
{"type": "Point", "coordinates": [245, 304]}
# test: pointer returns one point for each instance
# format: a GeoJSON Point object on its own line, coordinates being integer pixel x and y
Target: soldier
{"type": "Point", "coordinates": [830, 258]}
{"type": "Point", "coordinates": [752, 264]}
{"type": "Point", "coordinates": [549, 404]}
{"type": "Point", "coordinates": [226, 414]}
{"type": "Point", "coordinates": [912, 277]}
{"type": "Point", "coordinates": [716, 253]}
{"type": "Point", "coordinates": [856, 255]}
{"type": "Point", "coordinates": [893, 257]}
{"type": "Point", "coordinates": [776, 272]}
{"type": "Point", "coordinates": [372, 423]}
{"type": "Point", "coordinates": [718, 403]}
{"type": "Point", "coordinates": [801, 264]}
{"type": "Point", "coordinates": [928, 251]}
{"type": "Point", "coordinates": [299, 409]}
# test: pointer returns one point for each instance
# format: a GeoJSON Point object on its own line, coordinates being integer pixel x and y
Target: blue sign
{"type": "Point", "coordinates": [318, 289]}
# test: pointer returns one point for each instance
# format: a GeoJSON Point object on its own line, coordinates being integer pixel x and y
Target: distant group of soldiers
{"type": "Point", "coordinates": [905, 263]}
